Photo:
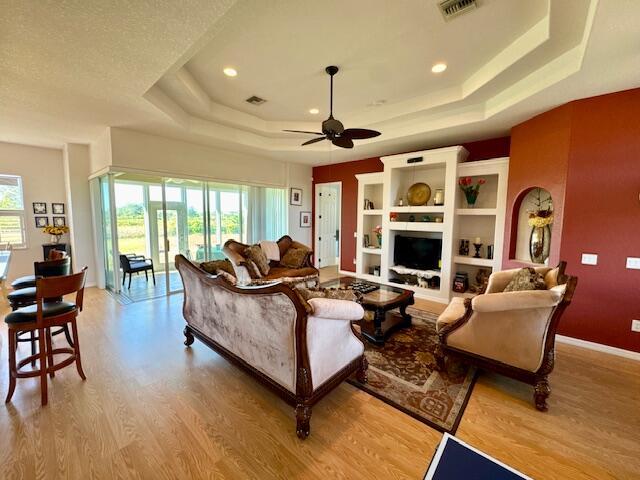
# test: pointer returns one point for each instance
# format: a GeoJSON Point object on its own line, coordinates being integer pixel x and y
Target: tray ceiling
{"type": "Point", "coordinates": [68, 74]}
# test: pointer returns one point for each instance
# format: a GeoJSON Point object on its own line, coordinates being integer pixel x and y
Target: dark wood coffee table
{"type": "Point", "coordinates": [380, 302]}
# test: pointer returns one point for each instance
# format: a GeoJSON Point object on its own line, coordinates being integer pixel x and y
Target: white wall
{"type": "Point", "coordinates": [154, 154]}
{"type": "Point", "coordinates": [42, 175]}
{"type": "Point", "coordinates": [76, 162]}
{"type": "Point", "coordinates": [300, 176]}
{"type": "Point", "coordinates": [136, 151]}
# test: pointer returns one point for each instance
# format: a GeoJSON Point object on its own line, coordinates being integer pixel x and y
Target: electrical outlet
{"type": "Point", "coordinates": [589, 259]}
{"type": "Point", "coordinates": [355, 234]}
{"type": "Point", "coordinates": [354, 261]}
{"type": "Point", "coordinates": [633, 263]}
{"type": "Point", "coordinates": [635, 325]}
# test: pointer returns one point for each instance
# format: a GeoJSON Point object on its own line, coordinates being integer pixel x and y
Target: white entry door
{"type": "Point", "coordinates": [328, 224]}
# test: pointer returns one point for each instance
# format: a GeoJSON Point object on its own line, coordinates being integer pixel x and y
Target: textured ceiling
{"type": "Point", "coordinates": [68, 70]}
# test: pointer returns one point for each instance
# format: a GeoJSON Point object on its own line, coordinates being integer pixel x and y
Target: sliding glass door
{"type": "Point", "coordinates": [152, 219]}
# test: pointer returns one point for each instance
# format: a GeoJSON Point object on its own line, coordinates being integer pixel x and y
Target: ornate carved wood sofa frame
{"type": "Point", "coordinates": [301, 351]}
{"type": "Point", "coordinates": [461, 313]}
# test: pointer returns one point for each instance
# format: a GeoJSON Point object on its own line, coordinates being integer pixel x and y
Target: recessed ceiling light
{"type": "Point", "coordinates": [314, 111]}
{"type": "Point", "coordinates": [377, 103]}
{"type": "Point", "coordinates": [439, 67]}
{"type": "Point", "coordinates": [230, 72]}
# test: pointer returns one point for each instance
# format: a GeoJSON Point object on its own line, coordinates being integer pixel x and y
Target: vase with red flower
{"type": "Point", "coordinates": [471, 189]}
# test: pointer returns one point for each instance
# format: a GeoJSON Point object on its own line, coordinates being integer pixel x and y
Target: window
{"type": "Point", "coordinates": [12, 222]}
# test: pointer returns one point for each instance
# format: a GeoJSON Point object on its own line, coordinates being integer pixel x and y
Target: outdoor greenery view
{"type": "Point", "coordinates": [11, 228]}
{"type": "Point", "coordinates": [185, 222]}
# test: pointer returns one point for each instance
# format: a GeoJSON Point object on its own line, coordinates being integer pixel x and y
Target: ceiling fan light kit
{"type": "Point", "coordinates": [332, 129]}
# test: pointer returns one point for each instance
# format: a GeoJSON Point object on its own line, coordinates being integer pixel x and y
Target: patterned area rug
{"type": "Point", "coordinates": [402, 374]}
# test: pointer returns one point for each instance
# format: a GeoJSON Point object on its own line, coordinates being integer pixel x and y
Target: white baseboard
{"type": "Point", "coordinates": [347, 272]}
{"type": "Point", "coordinates": [599, 347]}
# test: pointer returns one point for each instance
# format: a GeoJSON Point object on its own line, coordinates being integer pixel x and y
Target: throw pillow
{"type": "Point", "coordinates": [216, 266]}
{"type": "Point", "coordinates": [294, 258]}
{"type": "Point", "coordinates": [526, 279]}
{"type": "Point", "coordinates": [333, 293]}
{"type": "Point", "coordinates": [257, 256]}
{"type": "Point", "coordinates": [254, 271]}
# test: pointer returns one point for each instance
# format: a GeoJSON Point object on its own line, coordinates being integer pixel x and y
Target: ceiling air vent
{"type": "Point", "coordinates": [453, 8]}
{"type": "Point", "coordinates": [255, 100]}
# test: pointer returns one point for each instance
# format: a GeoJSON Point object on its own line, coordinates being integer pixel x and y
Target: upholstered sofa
{"type": "Point", "coordinates": [303, 275]}
{"type": "Point", "coordinates": [301, 350]}
{"type": "Point", "coordinates": [512, 333]}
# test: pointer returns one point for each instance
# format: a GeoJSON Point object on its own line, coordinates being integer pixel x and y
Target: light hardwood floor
{"type": "Point", "coordinates": [153, 409]}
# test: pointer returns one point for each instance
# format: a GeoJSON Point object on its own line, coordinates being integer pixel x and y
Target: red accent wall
{"type": "Point", "coordinates": [346, 172]}
{"type": "Point", "coordinates": [539, 158]}
{"type": "Point", "coordinates": [602, 216]}
{"type": "Point", "coordinates": [587, 154]}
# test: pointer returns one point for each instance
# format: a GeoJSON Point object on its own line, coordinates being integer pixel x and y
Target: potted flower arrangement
{"type": "Point", "coordinates": [55, 232]}
{"type": "Point", "coordinates": [540, 221]}
{"type": "Point", "coordinates": [470, 189]}
{"type": "Point", "coordinates": [378, 232]}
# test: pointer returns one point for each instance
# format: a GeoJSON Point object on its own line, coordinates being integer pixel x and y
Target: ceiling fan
{"type": "Point", "coordinates": [333, 130]}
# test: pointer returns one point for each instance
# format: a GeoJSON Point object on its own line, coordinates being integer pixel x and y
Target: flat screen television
{"type": "Point", "coordinates": [418, 253]}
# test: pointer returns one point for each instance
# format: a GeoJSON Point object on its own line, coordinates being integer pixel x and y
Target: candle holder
{"type": "Point", "coordinates": [477, 246]}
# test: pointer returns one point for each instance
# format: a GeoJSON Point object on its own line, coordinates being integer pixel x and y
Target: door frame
{"type": "Point", "coordinates": [316, 209]}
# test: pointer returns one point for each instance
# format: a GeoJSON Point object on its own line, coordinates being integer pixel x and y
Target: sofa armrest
{"type": "Point", "coordinates": [336, 309]}
{"type": "Point", "coordinates": [505, 301]}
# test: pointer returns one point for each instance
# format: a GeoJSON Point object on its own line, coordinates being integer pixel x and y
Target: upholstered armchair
{"type": "Point", "coordinates": [512, 333]}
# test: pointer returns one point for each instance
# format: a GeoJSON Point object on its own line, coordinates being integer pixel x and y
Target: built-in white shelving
{"type": "Point", "coordinates": [440, 169]}
{"type": "Point", "coordinates": [477, 211]}
{"type": "Point", "coordinates": [417, 226]}
{"type": "Point", "coordinates": [478, 262]}
{"type": "Point", "coordinates": [418, 209]}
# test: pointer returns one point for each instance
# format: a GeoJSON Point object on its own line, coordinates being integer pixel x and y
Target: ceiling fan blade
{"type": "Point", "coordinates": [303, 131]}
{"type": "Point", "coordinates": [343, 142]}
{"type": "Point", "coordinates": [314, 140]}
{"type": "Point", "coordinates": [359, 133]}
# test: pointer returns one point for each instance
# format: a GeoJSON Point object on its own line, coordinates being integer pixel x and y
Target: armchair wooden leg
{"type": "Point", "coordinates": [439, 356]}
{"type": "Point", "coordinates": [13, 334]}
{"type": "Point", "coordinates": [361, 374]}
{"type": "Point", "coordinates": [76, 348]}
{"type": "Point", "coordinates": [130, 275]}
{"type": "Point", "coordinates": [542, 390]}
{"type": "Point", "coordinates": [303, 418]}
{"type": "Point", "coordinates": [43, 366]}
{"type": "Point", "coordinates": [146, 275]}
{"type": "Point", "coordinates": [153, 275]}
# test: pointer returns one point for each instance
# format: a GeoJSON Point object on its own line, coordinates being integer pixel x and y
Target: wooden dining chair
{"type": "Point", "coordinates": [41, 317]}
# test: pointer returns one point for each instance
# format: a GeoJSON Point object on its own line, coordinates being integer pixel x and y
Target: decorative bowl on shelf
{"type": "Point", "coordinates": [418, 194]}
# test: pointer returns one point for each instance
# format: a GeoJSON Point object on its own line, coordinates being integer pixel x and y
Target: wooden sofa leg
{"type": "Point", "coordinates": [542, 390]}
{"type": "Point", "coordinates": [361, 374]}
{"type": "Point", "coordinates": [188, 336]}
{"type": "Point", "coordinates": [303, 416]}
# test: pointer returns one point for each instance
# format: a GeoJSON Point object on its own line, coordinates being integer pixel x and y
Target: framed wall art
{"type": "Point", "coordinates": [305, 219]}
{"type": "Point", "coordinates": [295, 196]}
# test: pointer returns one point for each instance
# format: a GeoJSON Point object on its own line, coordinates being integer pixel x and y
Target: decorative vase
{"type": "Point", "coordinates": [471, 197]}
{"type": "Point", "coordinates": [379, 240]}
{"type": "Point", "coordinates": [540, 244]}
